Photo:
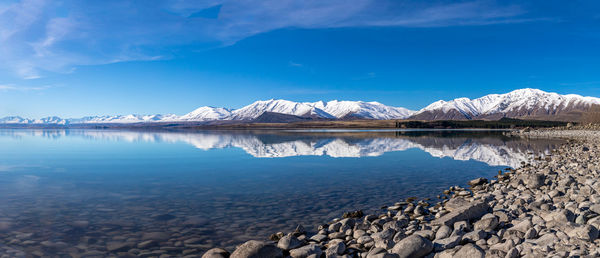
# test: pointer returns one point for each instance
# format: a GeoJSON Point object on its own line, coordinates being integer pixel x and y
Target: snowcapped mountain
{"type": "Point", "coordinates": [51, 120]}
{"type": "Point", "coordinates": [278, 106]}
{"type": "Point", "coordinates": [331, 110]}
{"type": "Point", "coordinates": [123, 119]}
{"type": "Point", "coordinates": [45, 120]}
{"type": "Point", "coordinates": [360, 109]}
{"type": "Point", "coordinates": [523, 103]}
{"type": "Point", "coordinates": [15, 120]}
{"type": "Point", "coordinates": [324, 110]}
{"type": "Point", "coordinates": [206, 114]}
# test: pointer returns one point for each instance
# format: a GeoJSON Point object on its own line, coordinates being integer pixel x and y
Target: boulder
{"type": "Point", "coordinates": [522, 226]}
{"type": "Point", "coordinates": [386, 234]}
{"type": "Point", "coordinates": [306, 251]}
{"type": "Point", "coordinates": [443, 232]}
{"type": "Point", "coordinates": [488, 222]}
{"type": "Point", "coordinates": [257, 249]}
{"type": "Point", "coordinates": [546, 240]}
{"type": "Point", "coordinates": [473, 210]}
{"type": "Point", "coordinates": [380, 253]}
{"type": "Point", "coordinates": [470, 251]}
{"type": "Point", "coordinates": [474, 236]}
{"type": "Point", "coordinates": [534, 180]}
{"type": "Point", "coordinates": [216, 253]}
{"type": "Point", "coordinates": [318, 238]}
{"type": "Point", "coordinates": [478, 181]}
{"type": "Point", "coordinates": [446, 243]}
{"type": "Point", "coordinates": [455, 203]}
{"type": "Point", "coordinates": [289, 242]}
{"type": "Point", "coordinates": [587, 233]}
{"type": "Point", "coordinates": [595, 208]}
{"type": "Point", "coordinates": [561, 216]}
{"type": "Point", "coordinates": [413, 246]}
{"type": "Point", "coordinates": [335, 248]}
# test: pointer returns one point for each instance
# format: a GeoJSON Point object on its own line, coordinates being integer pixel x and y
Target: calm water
{"type": "Point", "coordinates": [83, 191]}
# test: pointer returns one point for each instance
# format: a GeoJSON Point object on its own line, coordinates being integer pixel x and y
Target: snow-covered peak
{"type": "Point", "coordinates": [206, 114]}
{"type": "Point", "coordinates": [520, 102]}
{"type": "Point", "coordinates": [332, 109]}
{"type": "Point", "coordinates": [51, 120]}
{"type": "Point", "coordinates": [368, 110]}
{"type": "Point", "coordinates": [282, 106]}
{"type": "Point", "coordinates": [15, 120]}
{"type": "Point", "coordinates": [124, 119]}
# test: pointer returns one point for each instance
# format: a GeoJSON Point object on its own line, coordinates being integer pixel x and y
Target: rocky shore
{"type": "Point", "coordinates": [549, 207]}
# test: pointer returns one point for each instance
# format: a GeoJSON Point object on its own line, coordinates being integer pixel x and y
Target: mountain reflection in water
{"type": "Point", "coordinates": [490, 147]}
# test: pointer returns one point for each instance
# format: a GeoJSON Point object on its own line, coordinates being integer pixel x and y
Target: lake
{"type": "Point", "coordinates": [95, 192]}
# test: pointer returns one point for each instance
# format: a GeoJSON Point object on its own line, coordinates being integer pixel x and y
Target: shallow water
{"type": "Point", "coordinates": [103, 191]}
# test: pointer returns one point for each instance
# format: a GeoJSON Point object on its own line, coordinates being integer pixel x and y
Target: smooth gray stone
{"type": "Point", "coordinates": [471, 211]}
{"type": "Point", "coordinates": [257, 249]}
{"type": "Point", "coordinates": [216, 253]}
{"type": "Point", "coordinates": [413, 246]}
{"type": "Point", "coordinates": [306, 251]}
{"type": "Point", "coordinates": [470, 251]}
{"type": "Point", "coordinates": [288, 242]}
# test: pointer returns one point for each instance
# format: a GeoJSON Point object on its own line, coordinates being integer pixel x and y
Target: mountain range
{"type": "Point", "coordinates": [523, 103]}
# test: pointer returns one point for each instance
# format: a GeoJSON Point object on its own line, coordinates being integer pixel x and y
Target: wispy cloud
{"type": "Point", "coordinates": [37, 36]}
{"type": "Point", "coordinates": [12, 87]}
{"type": "Point", "coordinates": [294, 64]}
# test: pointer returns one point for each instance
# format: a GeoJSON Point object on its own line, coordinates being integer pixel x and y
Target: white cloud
{"type": "Point", "coordinates": [294, 64]}
{"type": "Point", "coordinates": [37, 36]}
{"type": "Point", "coordinates": [12, 87]}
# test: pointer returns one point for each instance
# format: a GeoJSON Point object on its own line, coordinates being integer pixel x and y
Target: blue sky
{"type": "Point", "coordinates": [77, 58]}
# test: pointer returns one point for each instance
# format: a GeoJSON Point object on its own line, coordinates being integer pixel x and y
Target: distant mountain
{"type": "Point", "coordinates": [206, 114]}
{"type": "Point", "coordinates": [523, 103]}
{"type": "Point", "coordinates": [120, 119]}
{"type": "Point", "coordinates": [281, 106]}
{"type": "Point", "coordinates": [51, 120]}
{"type": "Point", "coordinates": [363, 110]}
{"type": "Point", "coordinates": [329, 110]}
{"type": "Point", "coordinates": [14, 120]}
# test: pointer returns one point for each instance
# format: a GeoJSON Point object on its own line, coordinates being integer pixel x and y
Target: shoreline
{"type": "Point", "coordinates": [547, 208]}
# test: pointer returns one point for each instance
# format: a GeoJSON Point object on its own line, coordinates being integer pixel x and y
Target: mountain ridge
{"type": "Point", "coordinates": [522, 103]}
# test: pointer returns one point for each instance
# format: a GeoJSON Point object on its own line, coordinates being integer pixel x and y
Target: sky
{"type": "Point", "coordinates": [74, 58]}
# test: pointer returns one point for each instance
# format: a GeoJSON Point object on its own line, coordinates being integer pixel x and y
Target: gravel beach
{"type": "Point", "coordinates": [549, 207]}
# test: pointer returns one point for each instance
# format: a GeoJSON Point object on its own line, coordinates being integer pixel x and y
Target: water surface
{"type": "Point", "coordinates": [87, 191]}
